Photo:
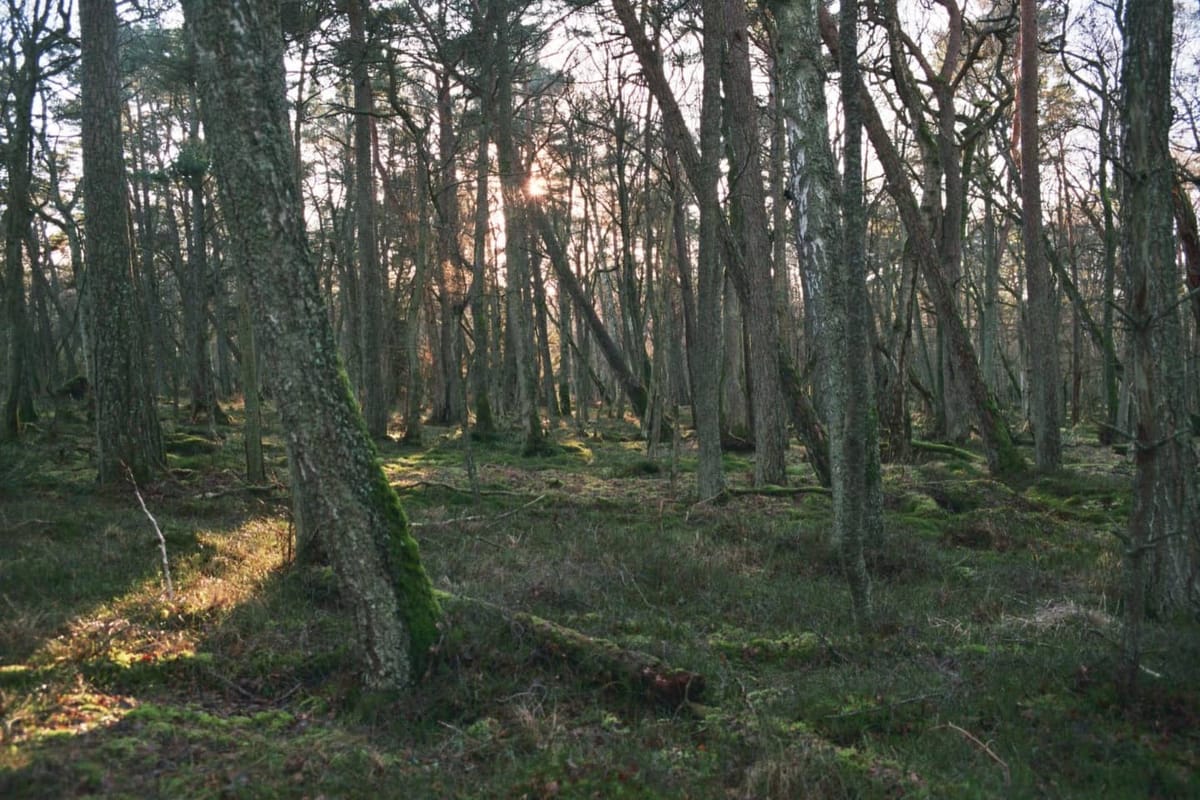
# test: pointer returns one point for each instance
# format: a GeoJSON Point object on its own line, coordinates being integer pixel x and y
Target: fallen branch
{"type": "Point", "coordinates": [610, 663]}
{"type": "Point", "coordinates": [780, 491]}
{"type": "Point", "coordinates": [982, 746]}
{"type": "Point", "coordinates": [162, 540]}
{"type": "Point", "coordinates": [249, 488]}
{"type": "Point", "coordinates": [945, 450]}
{"type": "Point", "coordinates": [476, 518]}
{"type": "Point", "coordinates": [404, 487]}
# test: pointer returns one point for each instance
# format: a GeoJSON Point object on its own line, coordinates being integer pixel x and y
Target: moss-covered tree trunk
{"type": "Point", "coordinates": [359, 519]}
{"type": "Point", "coordinates": [127, 426]}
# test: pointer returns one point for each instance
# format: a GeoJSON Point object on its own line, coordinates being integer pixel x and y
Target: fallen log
{"type": "Point", "coordinates": [612, 665]}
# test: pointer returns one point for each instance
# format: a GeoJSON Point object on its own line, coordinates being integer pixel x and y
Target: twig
{"type": "Point", "coordinates": [704, 502]}
{"type": "Point", "coordinates": [249, 488]}
{"type": "Point", "coordinates": [778, 491]}
{"type": "Point", "coordinates": [25, 522]}
{"type": "Point", "coordinates": [990, 753]}
{"type": "Point", "coordinates": [402, 487]}
{"type": "Point", "coordinates": [162, 540]}
{"type": "Point", "coordinates": [477, 518]}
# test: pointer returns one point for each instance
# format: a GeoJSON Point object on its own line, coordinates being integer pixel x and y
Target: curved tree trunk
{"type": "Point", "coordinates": [356, 512]}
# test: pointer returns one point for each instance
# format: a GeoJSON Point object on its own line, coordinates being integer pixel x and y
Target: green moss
{"type": "Point", "coordinates": [186, 444]}
{"type": "Point", "coordinates": [413, 587]}
{"type": "Point", "coordinates": [1009, 461]}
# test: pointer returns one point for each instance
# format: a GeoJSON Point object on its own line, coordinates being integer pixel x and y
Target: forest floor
{"type": "Point", "coordinates": [989, 672]}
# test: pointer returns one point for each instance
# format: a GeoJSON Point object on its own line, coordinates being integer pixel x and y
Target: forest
{"type": "Point", "coordinates": [599, 398]}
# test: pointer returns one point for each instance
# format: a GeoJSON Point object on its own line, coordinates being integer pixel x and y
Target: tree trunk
{"type": "Point", "coordinates": [23, 81]}
{"type": "Point", "coordinates": [748, 195]}
{"type": "Point", "coordinates": [252, 426]}
{"type": "Point", "coordinates": [372, 284]}
{"type": "Point", "coordinates": [128, 434]}
{"type": "Point", "coordinates": [1164, 531]}
{"type": "Point", "coordinates": [1043, 341]}
{"type": "Point", "coordinates": [837, 264]}
{"type": "Point", "coordinates": [485, 423]}
{"type": "Point", "coordinates": [360, 521]}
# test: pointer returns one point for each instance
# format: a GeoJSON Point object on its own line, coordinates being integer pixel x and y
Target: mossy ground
{"type": "Point", "coordinates": [989, 673]}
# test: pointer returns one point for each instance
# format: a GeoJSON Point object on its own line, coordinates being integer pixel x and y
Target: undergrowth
{"type": "Point", "coordinates": [989, 672]}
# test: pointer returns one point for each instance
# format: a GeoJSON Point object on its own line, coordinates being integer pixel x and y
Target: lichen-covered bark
{"type": "Point", "coordinates": [127, 426]}
{"type": "Point", "coordinates": [831, 247]}
{"type": "Point", "coordinates": [355, 513]}
{"type": "Point", "coordinates": [1163, 557]}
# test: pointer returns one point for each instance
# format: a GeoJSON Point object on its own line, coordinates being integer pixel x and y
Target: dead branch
{"type": "Point", "coordinates": [608, 662]}
{"type": "Point", "coordinates": [441, 523]}
{"type": "Point", "coordinates": [162, 540]}
{"type": "Point", "coordinates": [987, 750]}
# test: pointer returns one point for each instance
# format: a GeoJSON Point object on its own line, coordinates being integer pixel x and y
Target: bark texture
{"type": "Point", "coordinates": [371, 283]}
{"type": "Point", "coordinates": [356, 514]}
{"type": "Point", "coordinates": [1164, 536]}
{"type": "Point", "coordinates": [1043, 339]}
{"type": "Point", "coordinates": [127, 427]}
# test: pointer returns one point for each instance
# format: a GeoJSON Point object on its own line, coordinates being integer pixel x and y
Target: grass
{"type": "Point", "coordinates": [989, 673]}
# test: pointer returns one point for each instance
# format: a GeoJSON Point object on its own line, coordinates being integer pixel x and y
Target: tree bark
{"type": "Point", "coordinates": [1162, 562]}
{"type": "Point", "coordinates": [748, 197]}
{"type": "Point", "coordinates": [371, 284]}
{"type": "Point", "coordinates": [127, 425]}
{"type": "Point", "coordinates": [1043, 341]}
{"type": "Point", "coordinates": [358, 515]}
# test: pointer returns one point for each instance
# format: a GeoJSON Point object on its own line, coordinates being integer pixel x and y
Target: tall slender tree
{"type": "Point", "coordinates": [127, 426]}
{"type": "Point", "coordinates": [1163, 555]}
{"type": "Point", "coordinates": [1043, 339]}
{"type": "Point", "coordinates": [371, 284]}
{"type": "Point", "coordinates": [36, 35]}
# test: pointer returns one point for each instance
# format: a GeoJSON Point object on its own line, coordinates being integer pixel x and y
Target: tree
{"type": "Point", "coordinates": [1043, 343]}
{"type": "Point", "coordinates": [747, 198]}
{"type": "Point", "coordinates": [998, 446]}
{"type": "Point", "coordinates": [362, 526]}
{"type": "Point", "coordinates": [706, 358]}
{"type": "Point", "coordinates": [127, 426]}
{"type": "Point", "coordinates": [834, 261]}
{"type": "Point", "coordinates": [35, 50]}
{"type": "Point", "coordinates": [1163, 549]}
{"type": "Point", "coordinates": [371, 283]}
